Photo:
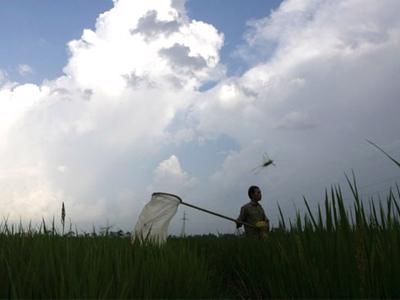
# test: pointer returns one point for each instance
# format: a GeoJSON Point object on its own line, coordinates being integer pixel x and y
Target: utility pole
{"type": "Point", "coordinates": [184, 219]}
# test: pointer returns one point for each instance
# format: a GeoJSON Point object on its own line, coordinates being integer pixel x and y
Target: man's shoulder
{"type": "Point", "coordinates": [251, 205]}
{"type": "Point", "coordinates": [247, 205]}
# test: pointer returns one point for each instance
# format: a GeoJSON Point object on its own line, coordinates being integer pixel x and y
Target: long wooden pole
{"type": "Point", "coordinates": [217, 214]}
{"type": "Point", "coordinates": [204, 210]}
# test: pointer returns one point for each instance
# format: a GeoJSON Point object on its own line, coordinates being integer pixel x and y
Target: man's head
{"type": "Point", "coordinates": [254, 193]}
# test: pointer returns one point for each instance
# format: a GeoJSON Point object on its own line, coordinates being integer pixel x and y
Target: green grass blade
{"type": "Point", "coordinates": [391, 158]}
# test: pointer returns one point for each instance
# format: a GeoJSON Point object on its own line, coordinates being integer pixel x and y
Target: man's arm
{"type": "Point", "coordinates": [266, 219]}
{"type": "Point", "coordinates": [242, 217]}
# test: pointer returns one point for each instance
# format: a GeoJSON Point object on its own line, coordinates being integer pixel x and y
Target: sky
{"type": "Point", "coordinates": [103, 103]}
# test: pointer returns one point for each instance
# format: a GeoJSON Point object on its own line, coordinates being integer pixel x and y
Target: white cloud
{"type": "Point", "coordinates": [24, 69]}
{"type": "Point", "coordinates": [3, 76]}
{"type": "Point", "coordinates": [296, 120]}
{"type": "Point", "coordinates": [62, 168]}
{"type": "Point", "coordinates": [332, 73]}
{"type": "Point", "coordinates": [330, 62]}
{"type": "Point", "coordinates": [16, 101]}
{"type": "Point", "coordinates": [122, 34]}
{"type": "Point", "coordinates": [170, 177]}
{"type": "Point", "coordinates": [123, 85]}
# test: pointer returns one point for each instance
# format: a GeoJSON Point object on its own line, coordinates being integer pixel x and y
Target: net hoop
{"type": "Point", "coordinates": [167, 194]}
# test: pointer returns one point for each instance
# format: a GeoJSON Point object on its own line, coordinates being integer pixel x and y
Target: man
{"type": "Point", "coordinates": [253, 213]}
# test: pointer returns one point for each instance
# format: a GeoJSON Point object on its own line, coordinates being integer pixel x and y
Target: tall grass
{"type": "Point", "coordinates": [330, 253]}
{"type": "Point", "coordinates": [47, 266]}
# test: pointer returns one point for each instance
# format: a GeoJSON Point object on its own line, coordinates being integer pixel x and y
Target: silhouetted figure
{"type": "Point", "coordinates": [254, 214]}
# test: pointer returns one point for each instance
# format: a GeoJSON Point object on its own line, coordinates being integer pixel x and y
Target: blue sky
{"type": "Point", "coordinates": [159, 97]}
{"type": "Point", "coordinates": [231, 17]}
{"type": "Point", "coordinates": [44, 28]}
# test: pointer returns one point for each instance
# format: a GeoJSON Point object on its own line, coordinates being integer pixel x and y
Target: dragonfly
{"type": "Point", "coordinates": [267, 161]}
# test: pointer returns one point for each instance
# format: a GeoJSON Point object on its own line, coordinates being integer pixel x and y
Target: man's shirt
{"type": "Point", "coordinates": [252, 213]}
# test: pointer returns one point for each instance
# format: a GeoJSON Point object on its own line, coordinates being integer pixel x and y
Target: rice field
{"type": "Point", "coordinates": [333, 253]}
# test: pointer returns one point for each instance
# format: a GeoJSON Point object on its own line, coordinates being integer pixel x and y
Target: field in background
{"type": "Point", "coordinates": [329, 254]}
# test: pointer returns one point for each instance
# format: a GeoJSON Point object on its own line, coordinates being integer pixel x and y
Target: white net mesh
{"type": "Point", "coordinates": [153, 222]}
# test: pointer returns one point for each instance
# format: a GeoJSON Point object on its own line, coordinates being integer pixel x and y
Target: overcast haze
{"type": "Point", "coordinates": [155, 96]}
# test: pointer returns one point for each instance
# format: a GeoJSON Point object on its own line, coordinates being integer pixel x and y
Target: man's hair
{"type": "Point", "coordinates": [252, 190]}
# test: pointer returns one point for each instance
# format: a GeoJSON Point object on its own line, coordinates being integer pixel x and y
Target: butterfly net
{"type": "Point", "coordinates": [153, 221]}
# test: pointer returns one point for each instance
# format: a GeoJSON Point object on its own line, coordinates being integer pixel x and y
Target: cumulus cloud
{"type": "Point", "coordinates": [170, 177]}
{"type": "Point", "coordinates": [3, 76]}
{"type": "Point", "coordinates": [322, 79]}
{"type": "Point", "coordinates": [322, 48]}
{"type": "Point", "coordinates": [150, 26]}
{"type": "Point", "coordinates": [24, 69]}
{"type": "Point", "coordinates": [91, 134]}
{"type": "Point", "coordinates": [296, 120]}
{"type": "Point", "coordinates": [120, 36]}
{"type": "Point", "coordinates": [179, 55]}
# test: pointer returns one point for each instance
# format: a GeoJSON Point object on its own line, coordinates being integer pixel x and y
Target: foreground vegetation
{"type": "Point", "coordinates": [331, 254]}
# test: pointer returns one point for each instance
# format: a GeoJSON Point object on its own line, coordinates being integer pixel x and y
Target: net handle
{"type": "Point", "coordinates": [205, 210]}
